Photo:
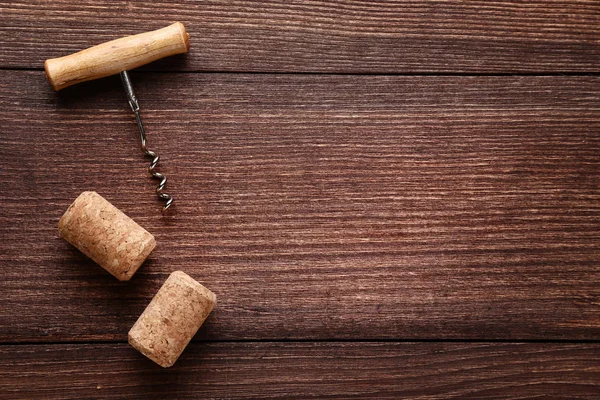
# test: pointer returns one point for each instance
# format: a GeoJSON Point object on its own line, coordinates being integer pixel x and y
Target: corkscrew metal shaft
{"type": "Point", "coordinates": [135, 107]}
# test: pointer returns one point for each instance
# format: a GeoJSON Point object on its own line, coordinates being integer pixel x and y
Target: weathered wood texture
{"type": "Point", "coordinates": [335, 36]}
{"type": "Point", "coordinates": [314, 206]}
{"type": "Point", "coordinates": [305, 370]}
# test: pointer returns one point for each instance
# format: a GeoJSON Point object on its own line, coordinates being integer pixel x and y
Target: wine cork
{"type": "Point", "coordinates": [171, 319]}
{"type": "Point", "coordinates": [106, 235]}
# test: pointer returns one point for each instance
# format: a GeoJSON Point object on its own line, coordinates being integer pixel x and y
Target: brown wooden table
{"type": "Point", "coordinates": [390, 199]}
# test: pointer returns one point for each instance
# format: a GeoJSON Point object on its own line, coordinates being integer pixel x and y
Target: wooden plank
{"type": "Point", "coordinates": [335, 36]}
{"type": "Point", "coordinates": [291, 370]}
{"type": "Point", "coordinates": [305, 370]}
{"type": "Point", "coordinates": [315, 207]}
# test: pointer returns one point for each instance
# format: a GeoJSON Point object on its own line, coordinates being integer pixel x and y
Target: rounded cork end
{"type": "Point", "coordinates": [148, 352]}
{"type": "Point", "coordinates": [64, 220]}
{"type": "Point", "coordinates": [195, 285]}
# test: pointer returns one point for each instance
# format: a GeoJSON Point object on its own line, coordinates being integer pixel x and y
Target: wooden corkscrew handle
{"type": "Point", "coordinates": [117, 55]}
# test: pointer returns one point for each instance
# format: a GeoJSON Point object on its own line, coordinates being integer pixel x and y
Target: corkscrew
{"type": "Point", "coordinates": [119, 56]}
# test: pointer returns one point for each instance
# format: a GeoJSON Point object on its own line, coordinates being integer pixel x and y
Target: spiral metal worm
{"type": "Point", "coordinates": [133, 103]}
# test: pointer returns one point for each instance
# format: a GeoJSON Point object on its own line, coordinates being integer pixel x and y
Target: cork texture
{"type": "Point", "coordinates": [106, 235]}
{"type": "Point", "coordinates": [172, 319]}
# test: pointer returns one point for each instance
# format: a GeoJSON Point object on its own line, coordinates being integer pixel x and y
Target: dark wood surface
{"type": "Point", "coordinates": [316, 207]}
{"type": "Point", "coordinates": [304, 370]}
{"type": "Point", "coordinates": [322, 36]}
{"type": "Point", "coordinates": [367, 235]}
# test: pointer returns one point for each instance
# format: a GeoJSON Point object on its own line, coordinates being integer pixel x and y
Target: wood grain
{"type": "Point", "coordinates": [315, 207]}
{"type": "Point", "coordinates": [305, 370]}
{"type": "Point", "coordinates": [322, 36]}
